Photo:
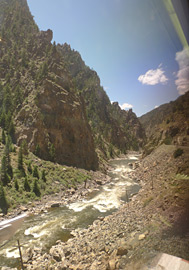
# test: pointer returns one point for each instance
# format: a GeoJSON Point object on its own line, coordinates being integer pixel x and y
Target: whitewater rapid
{"type": "Point", "coordinates": [45, 229]}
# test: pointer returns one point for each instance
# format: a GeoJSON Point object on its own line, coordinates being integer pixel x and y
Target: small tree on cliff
{"type": "Point", "coordinates": [36, 189]}
{"type": "Point", "coordinates": [20, 162]}
{"type": "Point", "coordinates": [52, 152]}
{"type": "Point", "coordinates": [35, 172]}
{"type": "Point", "coordinates": [37, 150]}
{"type": "Point", "coordinates": [8, 160]}
{"type": "Point", "coordinates": [43, 176]}
{"type": "Point", "coordinates": [3, 136]}
{"type": "Point", "coordinates": [3, 173]}
{"type": "Point", "coordinates": [29, 167]}
{"type": "Point", "coordinates": [3, 200]}
{"type": "Point", "coordinates": [16, 185]}
{"type": "Point", "coordinates": [26, 185]}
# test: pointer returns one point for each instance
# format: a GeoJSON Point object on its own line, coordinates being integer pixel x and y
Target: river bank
{"type": "Point", "coordinates": [67, 196]}
{"type": "Point", "coordinates": [155, 220]}
{"type": "Point", "coordinates": [62, 198]}
{"type": "Point", "coordinates": [50, 224]}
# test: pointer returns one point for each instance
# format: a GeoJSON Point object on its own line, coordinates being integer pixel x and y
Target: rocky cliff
{"type": "Point", "coordinates": [110, 124]}
{"type": "Point", "coordinates": [52, 100]}
{"type": "Point", "coordinates": [168, 123]}
{"type": "Point", "coordinates": [47, 113]}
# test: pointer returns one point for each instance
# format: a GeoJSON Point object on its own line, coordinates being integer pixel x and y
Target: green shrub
{"type": "Point", "coordinates": [167, 141]}
{"type": "Point", "coordinates": [178, 152]}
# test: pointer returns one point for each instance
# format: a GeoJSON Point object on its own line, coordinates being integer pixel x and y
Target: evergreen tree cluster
{"type": "Point", "coordinates": [23, 178]}
{"type": "Point", "coordinates": [6, 112]}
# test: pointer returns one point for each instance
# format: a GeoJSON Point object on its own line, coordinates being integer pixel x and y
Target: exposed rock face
{"type": "Point", "coordinates": [48, 35]}
{"type": "Point", "coordinates": [110, 124]}
{"type": "Point", "coordinates": [58, 119]}
{"type": "Point", "coordinates": [133, 130]}
{"type": "Point", "coordinates": [52, 117]}
{"type": "Point", "coordinates": [168, 124]}
{"type": "Point", "coordinates": [60, 108]}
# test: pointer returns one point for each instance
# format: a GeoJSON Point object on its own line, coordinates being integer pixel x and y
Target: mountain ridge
{"type": "Point", "coordinates": [169, 123]}
{"type": "Point", "coordinates": [49, 89]}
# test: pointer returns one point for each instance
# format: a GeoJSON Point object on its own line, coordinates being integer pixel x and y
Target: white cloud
{"type": "Point", "coordinates": [106, 88]}
{"type": "Point", "coordinates": [182, 81]}
{"type": "Point", "coordinates": [125, 106]}
{"type": "Point", "coordinates": [153, 76]}
{"type": "Point", "coordinates": [156, 107]}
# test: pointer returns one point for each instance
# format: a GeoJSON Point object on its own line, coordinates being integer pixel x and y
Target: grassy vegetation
{"type": "Point", "coordinates": [38, 178]}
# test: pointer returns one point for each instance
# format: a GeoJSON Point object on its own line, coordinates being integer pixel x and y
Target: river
{"type": "Point", "coordinates": [45, 229]}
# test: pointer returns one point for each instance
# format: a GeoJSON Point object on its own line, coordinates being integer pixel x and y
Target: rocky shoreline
{"type": "Point", "coordinates": [155, 220]}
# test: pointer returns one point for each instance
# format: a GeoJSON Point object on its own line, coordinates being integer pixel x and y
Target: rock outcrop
{"type": "Point", "coordinates": [56, 121]}
{"type": "Point", "coordinates": [167, 124]}
{"type": "Point", "coordinates": [57, 103]}
{"type": "Point", "coordinates": [110, 124]}
{"type": "Point", "coordinates": [51, 117]}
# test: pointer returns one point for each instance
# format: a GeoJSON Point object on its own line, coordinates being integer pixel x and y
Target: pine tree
{"type": "Point", "coordinates": [16, 185]}
{"type": "Point", "coordinates": [29, 167]}
{"type": "Point", "coordinates": [37, 150]}
{"type": "Point", "coordinates": [36, 188]}
{"type": "Point", "coordinates": [2, 119]}
{"type": "Point", "coordinates": [43, 71]}
{"type": "Point", "coordinates": [7, 100]}
{"type": "Point", "coordinates": [20, 162]}
{"type": "Point", "coordinates": [3, 136]}
{"type": "Point", "coordinates": [24, 58]}
{"type": "Point", "coordinates": [43, 176]}
{"type": "Point", "coordinates": [52, 152]}
{"type": "Point", "coordinates": [8, 120]}
{"type": "Point", "coordinates": [4, 174]}
{"type": "Point", "coordinates": [35, 172]}
{"type": "Point", "coordinates": [18, 97]}
{"type": "Point", "coordinates": [11, 146]}
{"type": "Point", "coordinates": [26, 185]}
{"type": "Point", "coordinates": [3, 200]}
{"type": "Point", "coordinates": [8, 160]}
{"type": "Point", "coordinates": [11, 131]}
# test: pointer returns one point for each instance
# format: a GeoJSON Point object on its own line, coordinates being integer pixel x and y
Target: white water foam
{"type": "Point", "coordinates": [12, 253]}
{"type": "Point", "coordinates": [36, 231]}
{"type": "Point", "coordinates": [107, 200]}
{"type": "Point", "coordinates": [133, 157]}
{"type": "Point", "coordinates": [42, 229]}
{"type": "Point", "coordinates": [124, 184]}
{"type": "Point", "coordinates": [123, 170]}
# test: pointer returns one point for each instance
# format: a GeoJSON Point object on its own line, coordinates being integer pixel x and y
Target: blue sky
{"type": "Point", "coordinates": [131, 44]}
